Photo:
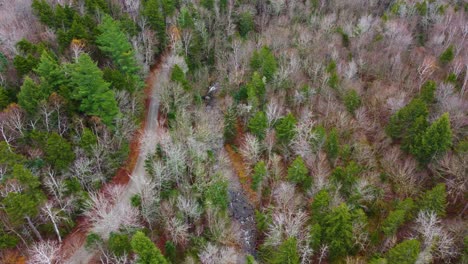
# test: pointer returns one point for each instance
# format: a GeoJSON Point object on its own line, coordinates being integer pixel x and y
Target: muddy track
{"type": "Point", "coordinates": [73, 249]}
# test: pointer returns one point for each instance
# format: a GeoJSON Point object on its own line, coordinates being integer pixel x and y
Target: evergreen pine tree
{"type": "Point", "coordinates": [146, 251]}
{"type": "Point", "coordinates": [113, 41]}
{"type": "Point", "coordinates": [286, 128]}
{"type": "Point", "coordinates": [299, 174]}
{"type": "Point", "coordinates": [434, 200]}
{"type": "Point", "coordinates": [338, 231]}
{"type": "Point", "coordinates": [404, 253]}
{"type": "Point", "coordinates": [436, 139]}
{"type": "Point", "coordinates": [92, 91]}
{"type": "Point", "coordinates": [286, 253]}
{"type": "Point", "coordinates": [258, 124]}
{"type": "Point", "coordinates": [31, 95]}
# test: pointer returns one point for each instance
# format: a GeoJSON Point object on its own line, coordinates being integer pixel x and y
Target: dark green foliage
{"type": "Point", "coordinates": [19, 205]}
{"type": "Point", "coordinates": [405, 117]}
{"type": "Point", "coordinates": [315, 236]}
{"type": "Point", "coordinates": [334, 79]}
{"type": "Point", "coordinates": [338, 231]}
{"type": "Point", "coordinates": [93, 92]}
{"type": "Point", "coordinates": [230, 119]}
{"type": "Point", "coordinates": [217, 194]}
{"type": "Point", "coordinates": [31, 95]}
{"type": "Point", "coordinates": [320, 136]}
{"type": "Point", "coordinates": [177, 75]}
{"type": "Point", "coordinates": [256, 90]}
{"type": "Point", "coordinates": [113, 41]}
{"type": "Point", "coordinates": [286, 128]}
{"type": "Point", "coordinates": [434, 200]}
{"type": "Point", "coordinates": [320, 206]}
{"type": "Point", "coordinates": [170, 251]}
{"type": "Point", "coordinates": [427, 93]}
{"type": "Point", "coordinates": [45, 12]}
{"type": "Point", "coordinates": [414, 133]}
{"type": "Point", "coordinates": [436, 139]}
{"type": "Point", "coordinates": [332, 144]}
{"type": "Point", "coordinates": [59, 152]}
{"type": "Point", "coordinates": [146, 251]}
{"type": "Point", "coordinates": [448, 55]}
{"type": "Point", "coordinates": [286, 253]}
{"type": "Point", "coordinates": [117, 79]}
{"type": "Point", "coordinates": [299, 174]}
{"type": "Point", "coordinates": [245, 24]}
{"type": "Point", "coordinates": [464, 257]}
{"type": "Point", "coordinates": [88, 140]}
{"type": "Point", "coordinates": [393, 221]}
{"type": "Point", "coordinates": [262, 220]}
{"type": "Point", "coordinates": [4, 98]}
{"type": "Point", "coordinates": [346, 177]}
{"type": "Point", "coordinates": [404, 253]}
{"type": "Point", "coordinates": [352, 101]}
{"type": "Point", "coordinates": [185, 19]}
{"type": "Point", "coordinates": [208, 4]}
{"type": "Point", "coordinates": [92, 240]}
{"type": "Point", "coordinates": [250, 260]}
{"type": "Point", "coordinates": [153, 12]}
{"type": "Point", "coordinates": [8, 157]}
{"type": "Point", "coordinates": [169, 7]}
{"type": "Point", "coordinates": [259, 173]}
{"type": "Point", "coordinates": [119, 244]}
{"type": "Point", "coordinates": [258, 124]}
{"type": "Point", "coordinates": [7, 240]}
{"type": "Point", "coordinates": [3, 63]}
{"type": "Point", "coordinates": [264, 62]}
{"type": "Point", "coordinates": [50, 71]}
{"type": "Point", "coordinates": [135, 200]}
{"type": "Point", "coordinates": [96, 5]}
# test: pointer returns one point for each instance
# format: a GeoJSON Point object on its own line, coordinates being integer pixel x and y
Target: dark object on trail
{"type": "Point", "coordinates": [211, 91]}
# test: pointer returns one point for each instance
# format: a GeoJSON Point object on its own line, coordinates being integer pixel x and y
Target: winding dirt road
{"type": "Point", "coordinates": [76, 253]}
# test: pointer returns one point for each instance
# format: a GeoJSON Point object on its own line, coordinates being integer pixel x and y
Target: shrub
{"type": "Point", "coordinates": [352, 101]}
{"type": "Point", "coordinates": [427, 93]}
{"type": "Point", "coordinates": [245, 24]}
{"type": "Point", "coordinates": [332, 145]}
{"type": "Point", "coordinates": [448, 55]}
{"type": "Point", "coordinates": [404, 253]}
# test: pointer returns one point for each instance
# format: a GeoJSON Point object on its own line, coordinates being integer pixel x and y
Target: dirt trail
{"type": "Point", "coordinates": [74, 244]}
{"type": "Point", "coordinates": [241, 202]}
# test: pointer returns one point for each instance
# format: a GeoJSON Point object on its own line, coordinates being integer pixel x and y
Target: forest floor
{"type": "Point", "coordinates": [73, 247]}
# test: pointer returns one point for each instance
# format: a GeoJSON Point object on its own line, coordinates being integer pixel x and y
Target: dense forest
{"type": "Point", "coordinates": [234, 131]}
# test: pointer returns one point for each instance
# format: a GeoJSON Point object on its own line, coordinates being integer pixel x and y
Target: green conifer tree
{"type": "Point", "coordinates": [299, 174]}
{"type": "Point", "coordinates": [113, 41]}
{"type": "Point", "coordinates": [92, 91]}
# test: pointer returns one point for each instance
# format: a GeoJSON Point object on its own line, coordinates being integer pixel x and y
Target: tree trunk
{"type": "Point", "coordinates": [34, 229]}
